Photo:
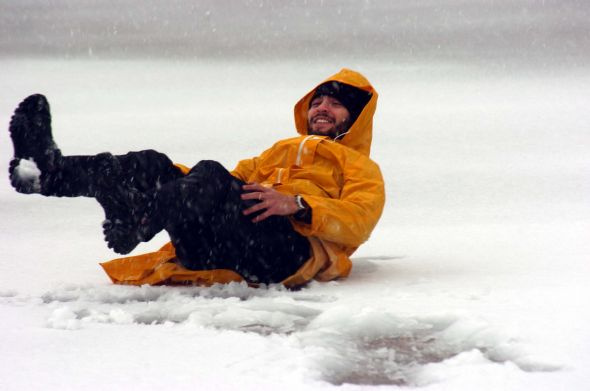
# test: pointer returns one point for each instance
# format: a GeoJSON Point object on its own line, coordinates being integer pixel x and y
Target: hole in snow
{"type": "Point", "coordinates": [370, 347]}
{"type": "Point", "coordinates": [384, 360]}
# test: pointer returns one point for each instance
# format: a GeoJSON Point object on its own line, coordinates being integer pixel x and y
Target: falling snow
{"type": "Point", "coordinates": [474, 279]}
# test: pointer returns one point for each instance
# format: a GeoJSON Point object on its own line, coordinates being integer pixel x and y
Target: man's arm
{"type": "Point", "coordinates": [245, 168]}
{"type": "Point", "coordinates": [350, 219]}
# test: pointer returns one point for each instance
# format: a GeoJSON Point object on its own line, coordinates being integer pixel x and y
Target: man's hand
{"type": "Point", "coordinates": [271, 201]}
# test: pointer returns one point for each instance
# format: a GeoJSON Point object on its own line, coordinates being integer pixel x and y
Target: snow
{"type": "Point", "coordinates": [27, 171]}
{"type": "Point", "coordinates": [474, 279]}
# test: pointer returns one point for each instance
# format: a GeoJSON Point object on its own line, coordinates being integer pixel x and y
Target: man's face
{"type": "Point", "coordinates": [327, 117]}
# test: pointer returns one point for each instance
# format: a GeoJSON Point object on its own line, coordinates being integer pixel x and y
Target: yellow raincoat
{"type": "Point", "coordinates": [341, 184]}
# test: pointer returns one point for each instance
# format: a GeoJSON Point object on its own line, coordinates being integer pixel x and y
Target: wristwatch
{"type": "Point", "coordinates": [299, 202]}
{"type": "Point", "coordinates": [303, 213]}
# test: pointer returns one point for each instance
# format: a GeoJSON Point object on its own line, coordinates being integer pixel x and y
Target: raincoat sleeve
{"type": "Point", "coordinates": [349, 219]}
{"type": "Point", "coordinates": [245, 169]}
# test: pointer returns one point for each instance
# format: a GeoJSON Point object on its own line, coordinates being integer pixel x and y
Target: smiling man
{"type": "Point", "coordinates": [334, 107]}
{"type": "Point", "coordinates": [294, 213]}
{"type": "Point", "coordinates": [328, 117]}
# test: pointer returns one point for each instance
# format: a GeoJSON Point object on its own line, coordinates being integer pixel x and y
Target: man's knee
{"type": "Point", "coordinates": [145, 169]}
{"type": "Point", "coordinates": [146, 159]}
{"type": "Point", "coordinates": [209, 183]}
{"type": "Point", "coordinates": [211, 172]}
{"type": "Point", "coordinates": [209, 167]}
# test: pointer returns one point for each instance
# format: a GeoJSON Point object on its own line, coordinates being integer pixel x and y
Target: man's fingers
{"type": "Point", "coordinates": [255, 208]}
{"type": "Point", "coordinates": [261, 217]}
{"type": "Point", "coordinates": [254, 187]}
{"type": "Point", "coordinates": [255, 195]}
{"type": "Point", "coordinates": [271, 202]}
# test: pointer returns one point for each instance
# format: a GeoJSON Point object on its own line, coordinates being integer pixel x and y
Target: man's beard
{"type": "Point", "coordinates": [337, 131]}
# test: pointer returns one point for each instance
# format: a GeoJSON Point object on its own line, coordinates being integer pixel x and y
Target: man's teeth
{"type": "Point", "coordinates": [323, 121]}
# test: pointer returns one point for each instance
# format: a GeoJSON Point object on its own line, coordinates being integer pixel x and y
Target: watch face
{"type": "Point", "coordinates": [299, 202]}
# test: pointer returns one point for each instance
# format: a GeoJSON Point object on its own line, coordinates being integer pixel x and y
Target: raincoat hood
{"type": "Point", "coordinates": [360, 133]}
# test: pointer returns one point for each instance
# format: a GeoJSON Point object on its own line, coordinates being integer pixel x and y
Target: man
{"type": "Point", "coordinates": [294, 213]}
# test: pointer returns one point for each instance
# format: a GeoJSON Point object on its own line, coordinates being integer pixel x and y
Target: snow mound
{"type": "Point", "coordinates": [339, 344]}
{"type": "Point", "coordinates": [227, 307]}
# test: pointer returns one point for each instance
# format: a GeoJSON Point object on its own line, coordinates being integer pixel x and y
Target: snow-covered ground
{"type": "Point", "coordinates": [475, 278]}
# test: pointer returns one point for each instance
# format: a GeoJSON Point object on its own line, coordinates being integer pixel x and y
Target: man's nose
{"type": "Point", "coordinates": [323, 106]}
